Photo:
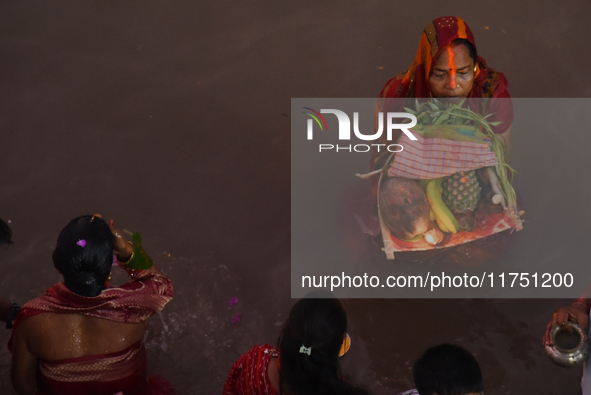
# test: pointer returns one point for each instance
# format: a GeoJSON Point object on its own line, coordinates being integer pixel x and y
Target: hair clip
{"type": "Point", "coordinates": [96, 215]}
{"type": "Point", "coordinates": [81, 243]}
{"type": "Point", "coordinates": [346, 345]}
{"type": "Point", "coordinates": [305, 350]}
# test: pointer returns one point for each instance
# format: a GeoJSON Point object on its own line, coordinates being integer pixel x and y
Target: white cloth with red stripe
{"type": "Point", "coordinates": [428, 158]}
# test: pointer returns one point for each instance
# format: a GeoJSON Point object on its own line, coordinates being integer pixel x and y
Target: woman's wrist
{"type": "Point", "coordinates": [124, 257]}
{"type": "Point", "coordinates": [134, 257]}
{"type": "Point", "coordinates": [583, 302]}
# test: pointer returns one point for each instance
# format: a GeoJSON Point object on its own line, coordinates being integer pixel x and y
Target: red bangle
{"type": "Point", "coordinates": [585, 302]}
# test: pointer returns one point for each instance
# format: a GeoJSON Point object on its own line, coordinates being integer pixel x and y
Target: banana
{"type": "Point", "coordinates": [414, 239]}
{"type": "Point", "coordinates": [423, 184]}
{"type": "Point", "coordinates": [442, 226]}
{"type": "Point", "coordinates": [439, 208]}
{"type": "Point", "coordinates": [433, 217]}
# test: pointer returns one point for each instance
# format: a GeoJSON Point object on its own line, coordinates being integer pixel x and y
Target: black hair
{"type": "Point", "coordinates": [84, 255]}
{"type": "Point", "coordinates": [447, 369]}
{"type": "Point", "coordinates": [471, 48]}
{"type": "Point", "coordinates": [5, 233]}
{"type": "Point", "coordinates": [320, 325]}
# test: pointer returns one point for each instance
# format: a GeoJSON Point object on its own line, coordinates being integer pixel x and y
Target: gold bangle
{"type": "Point", "coordinates": [126, 262]}
{"type": "Point", "coordinates": [130, 258]}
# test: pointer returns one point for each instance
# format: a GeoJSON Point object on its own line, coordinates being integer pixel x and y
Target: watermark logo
{"type": "Point", "coordinates": [315, 116]}
{"type": "Point", "coordinates": [345, 129]}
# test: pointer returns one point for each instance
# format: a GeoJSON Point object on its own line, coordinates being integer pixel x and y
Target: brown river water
{"type": "Point", "coordinates": [173, 118]}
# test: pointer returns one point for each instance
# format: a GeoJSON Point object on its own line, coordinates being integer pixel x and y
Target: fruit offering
{"type": "Point", "coordinates": [447, 202]}
{"type": "Point", "coordinates": [404, 207]}
{"type": "Point", "coordinates": [461, 191]}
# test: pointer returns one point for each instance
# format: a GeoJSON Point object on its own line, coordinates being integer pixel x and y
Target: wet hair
{"type": "Point", "coordinates": [471, 48]}
{"type": "Point", "coordinates": [85, 269]}
{"type": "Point", "coordinates": [318, 324]}
{"type": "Point", "coordinates": [447, 369]}
{"type": "Point", "coordinates": [5, 233]}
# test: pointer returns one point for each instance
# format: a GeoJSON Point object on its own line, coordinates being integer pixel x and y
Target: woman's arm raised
{"type": "Point", "coordinates": [123, 250]}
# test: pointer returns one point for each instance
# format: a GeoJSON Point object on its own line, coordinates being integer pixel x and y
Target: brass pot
{"type": "Point", "coordinates": [568, 349]}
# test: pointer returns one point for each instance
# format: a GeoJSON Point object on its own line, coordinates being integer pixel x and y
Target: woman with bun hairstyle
{"type": "Point", "coordinates": [307, 359]}
{"type": "Point", "coordinates": [82, 336]}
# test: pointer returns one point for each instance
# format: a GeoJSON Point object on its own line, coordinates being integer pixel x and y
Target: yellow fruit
{"type": "Point", "coordinates": [439, 208]}
{"type": "Point", "coordinates": [442, 226]}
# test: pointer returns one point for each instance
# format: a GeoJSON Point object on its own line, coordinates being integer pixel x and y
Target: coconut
{"type": "Point", "coordinates": [404, 208]}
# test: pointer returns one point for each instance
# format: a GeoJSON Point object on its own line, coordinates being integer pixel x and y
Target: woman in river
{"type": "Point", "coordinates": [306, 360]}
{"type": "Point", "coordinates": [447, 67]}
{"type": "Point", "coordinates": [82, 336]}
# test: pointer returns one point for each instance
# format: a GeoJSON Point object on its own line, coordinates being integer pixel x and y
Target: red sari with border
{"type": "Point", "coordinates": [105, 374]}
{"type": "Point", "coordinates": [248, 375]}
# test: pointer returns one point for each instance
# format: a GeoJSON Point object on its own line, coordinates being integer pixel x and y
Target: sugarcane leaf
{"type": "Point", "coordinates": [444, 117]}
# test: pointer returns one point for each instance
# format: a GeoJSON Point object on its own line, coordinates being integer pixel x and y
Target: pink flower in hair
{"type": "Point", "coordinates": [81, 243]}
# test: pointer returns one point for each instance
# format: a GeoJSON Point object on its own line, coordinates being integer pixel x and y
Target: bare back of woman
{"type": "Point", "coordinates": [82, 336]}
{"type": "Point", "coordinates": [54, 337]}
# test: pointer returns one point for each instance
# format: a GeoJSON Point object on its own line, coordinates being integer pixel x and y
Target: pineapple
{"type": "Point", "coordinates": [461, 191]}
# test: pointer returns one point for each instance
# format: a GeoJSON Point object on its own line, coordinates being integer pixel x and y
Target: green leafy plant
{"type": "Point", "coordinates": [436, 112]}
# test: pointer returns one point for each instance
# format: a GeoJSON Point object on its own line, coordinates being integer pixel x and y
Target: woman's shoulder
{"type": "Point", "coordinates": [145, 281]}
{"type": "Point", "coordinates": [394, 86]}
{"type": "Point", "coordinates": [492, 86]}
{"type": "Point", "coordinates": [53, 336]}
{"type": "Point", "coordinates": [260, 354]}
{"type": "Point", "coordinates": [489, 83]}
{"type": "Point", "coordinates": [262, 350]}
{"type": "Point", "coordinates": [249, 370]}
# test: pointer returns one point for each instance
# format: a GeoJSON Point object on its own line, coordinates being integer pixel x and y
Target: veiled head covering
{"type": "Point", "coordinates": [436, 37]}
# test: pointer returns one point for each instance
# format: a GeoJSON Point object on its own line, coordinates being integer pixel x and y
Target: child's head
{"type": "Point", "coordinates": [309, 347]}
{"type": "Point", "coordinates": [447, 370]}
